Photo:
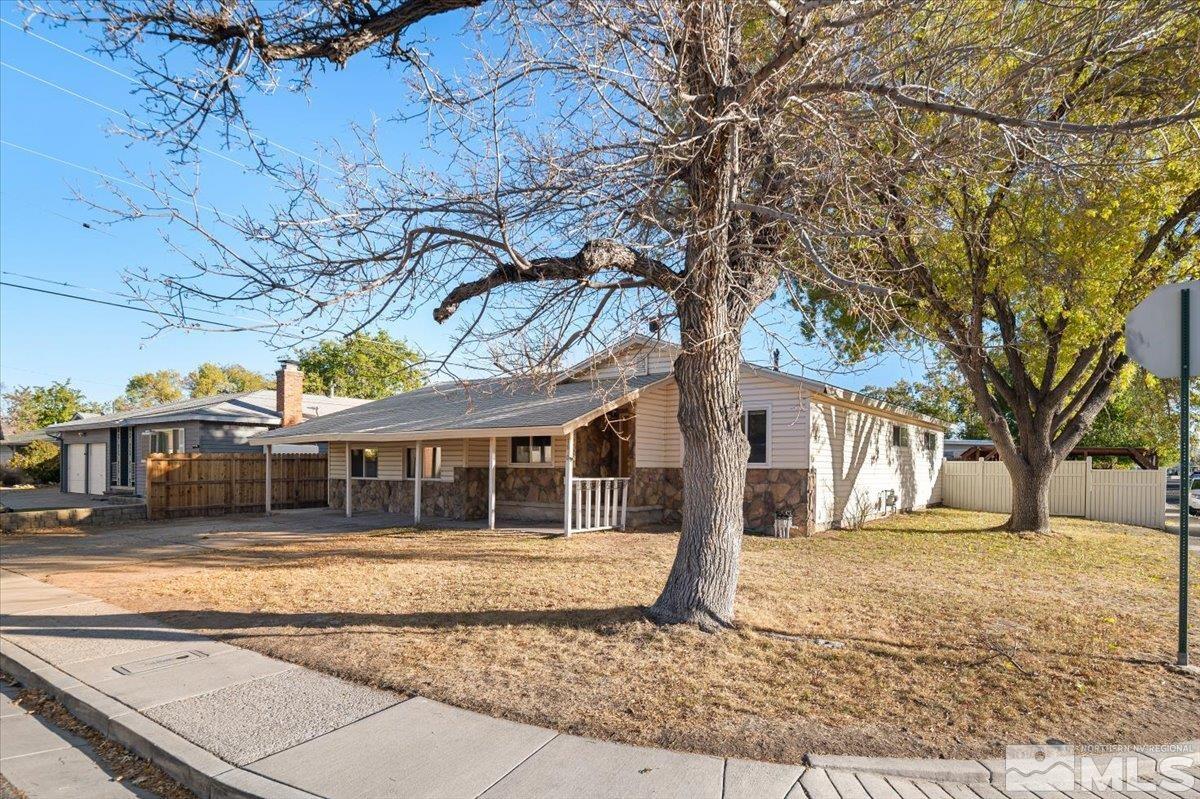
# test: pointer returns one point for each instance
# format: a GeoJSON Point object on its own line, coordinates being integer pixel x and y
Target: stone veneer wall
{"type": "Point", "coordinates": [767, 490]}
{"type": "Point", "coordinates": [463, 498]}
{"type": "Point", "coordinates": [527, 484]}
{"type": "Point", "coordinates": [658, 491]}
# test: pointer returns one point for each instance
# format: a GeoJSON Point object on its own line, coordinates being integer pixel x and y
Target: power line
{"type": "Point", "coordinates": [119, 295]}
{"type": "Point", "coordinates": [389, 349]}
{"type": "Point", "coordinates": [111, 110]}
{"type": "Point", "coordinates": [122, 306]}
{"type": "Point", "coordinates": [156, 90]}
{"type": "Point", "coordinates": [61, 379]}
{"type": "Point", "coordinates": [98, 173]}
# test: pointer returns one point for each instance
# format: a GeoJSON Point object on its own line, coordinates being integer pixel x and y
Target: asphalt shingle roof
{"type": "Point", "coordinates": [252, 406]}
{"type": "Point", "coordinates": [487, 404]}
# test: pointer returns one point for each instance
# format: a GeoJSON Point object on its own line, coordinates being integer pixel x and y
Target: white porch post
{"type": "Point", "coordinates": [418, 467]}
{"type": "Point", "coordinates": [492, 483]}
{"type": "Point", "coordinates": [568, 477]}
{"type": "Point", "coordinates": [348, 494]}
{"type": "Point", "coordinates": [267, 498]}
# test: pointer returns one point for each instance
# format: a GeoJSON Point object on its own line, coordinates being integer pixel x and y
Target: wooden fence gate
{"type": "Point", "coordinates": [212, 483]}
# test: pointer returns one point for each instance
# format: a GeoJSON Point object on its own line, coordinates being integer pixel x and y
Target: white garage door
{"type": "Point", "coordinates": [97, 468]}
{"type": "Point", "coordinates": [77, 468]}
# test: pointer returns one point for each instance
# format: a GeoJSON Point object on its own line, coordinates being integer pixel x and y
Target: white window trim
{"type": "Point", "coordinates": [745, 427]}
{"type": "Point", "coordinates": [180, 447]}
{"type": "Point", "coordinates": [378, 462]}
{"type": "Point", "coordinates": [550, 464]}
{"type": "Point", "coordinates": [438, 478]}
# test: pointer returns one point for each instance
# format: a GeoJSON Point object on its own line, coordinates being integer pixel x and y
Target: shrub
{"type": "Point", "coordinates": [10, 477]}
{"type": "Point", "coordinates": [39, 460]}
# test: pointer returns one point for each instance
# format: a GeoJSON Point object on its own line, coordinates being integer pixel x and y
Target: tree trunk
{"type": "Point", "coordinates": [1031, 497]}
{"type": "Point", "coordinates": [703, 581]}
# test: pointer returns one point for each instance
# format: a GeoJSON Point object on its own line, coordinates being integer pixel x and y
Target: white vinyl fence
{"type": "Point", "coordinates": [1127, 496]}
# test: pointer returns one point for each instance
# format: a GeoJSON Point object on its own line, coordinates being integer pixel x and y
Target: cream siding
{"type": "Point", "coordinates": [456, 452]}
{"type": "Point", "coordinates": [658, 443]}
{"type": "Point", "coordinates": [391, 457]}
{"type": "Point", "coordinates": [855, 464]}
{"type": "Point", "coordinates": [639, 360]}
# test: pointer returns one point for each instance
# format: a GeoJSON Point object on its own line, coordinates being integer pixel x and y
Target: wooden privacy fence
{"type": "Point", "coordinates": [212, 483]}
{"type": "Point", "coordinates": [1127, 496]}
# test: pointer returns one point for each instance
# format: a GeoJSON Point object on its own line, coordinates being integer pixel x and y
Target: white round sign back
{"type": "Point", "coordinates": [1153, 337]}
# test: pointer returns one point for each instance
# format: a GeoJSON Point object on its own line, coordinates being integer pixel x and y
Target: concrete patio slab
{"type": "Point", "coordinates": [252, 720]}
{"type": "Point", "coordinates": [571, 767]}
{"type": "Point", "coordinates": [191, 678]}
{"type": "Point", "coordinates": [748, 779]}
{"type": "Point", "coordinates": [416, 748]}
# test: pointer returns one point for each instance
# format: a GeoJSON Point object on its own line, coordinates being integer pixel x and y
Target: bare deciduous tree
{"type": "Point", "coordinates": [609, 163]}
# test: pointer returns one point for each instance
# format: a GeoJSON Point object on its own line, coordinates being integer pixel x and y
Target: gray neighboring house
{"type": "Point", "coordinates": [106, 454]}
{"type": "Point", "coordinates": [11, 444]}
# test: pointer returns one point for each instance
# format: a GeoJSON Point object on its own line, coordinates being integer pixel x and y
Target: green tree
{"type": "Point", "coordinates": [151, 388]}
{"type": "Point", "coordinates": [35, 407]}
{"type": "Point", "coordinates": [209, 378]}
{"type": "Point", "coordinates": [361, 365]}
{"type": "Point", "coordinates": [1143, 411]}
{"type": "Point", "coordinates": [38, 460]}
{"type": "Point", "coordinates": [1025, 274]}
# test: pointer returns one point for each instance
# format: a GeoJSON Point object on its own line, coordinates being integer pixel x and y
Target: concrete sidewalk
{"type": "Point", "coordinates": [42, 761]}
{"type": "Point", "coordinates": [226, 721]}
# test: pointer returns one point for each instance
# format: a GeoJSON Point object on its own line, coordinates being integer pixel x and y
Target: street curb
{"type": "Point", "coordinates": [198, 770]}
{"type": "Point", "coordinates": [968, 771]}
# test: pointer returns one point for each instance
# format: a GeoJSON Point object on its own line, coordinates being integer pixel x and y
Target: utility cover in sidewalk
{"type": "Point", "coordinates": [160, 662]}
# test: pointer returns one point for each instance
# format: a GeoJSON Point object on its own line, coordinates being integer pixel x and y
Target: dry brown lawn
{"type": "Point", "coordinates": [948, 638]}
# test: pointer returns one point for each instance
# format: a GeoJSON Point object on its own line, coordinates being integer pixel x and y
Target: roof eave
{"type": "Point", "coordinates": [409, 435]}
{"type": "Point", "coordinates": [499, 430]}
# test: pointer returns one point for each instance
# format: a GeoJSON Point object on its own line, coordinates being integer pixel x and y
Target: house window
{"type": "Point", "coordinates": [930, 441]}
{"type": "Point", "coordinates": [532, 449]}
{"type": "Point", "coordinates": [165, 442]}
{"type": "Point", "coordinates": [364, 462]}
{"type": "Point", "coordinates": [431, 465]}
{"type": "Point", "coordinates": [899, 435]}
{"type": "Point", "coordinates": [754, 424]}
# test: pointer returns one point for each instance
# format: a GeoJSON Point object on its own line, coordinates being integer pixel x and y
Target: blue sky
{"type": "Point", "coordinates": [43, 240]}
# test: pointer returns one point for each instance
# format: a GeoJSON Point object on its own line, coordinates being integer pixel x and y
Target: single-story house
{"type": "Point", "coordinates": [107, 453]}
{"type": "Point", "coordinates": [607, 429]}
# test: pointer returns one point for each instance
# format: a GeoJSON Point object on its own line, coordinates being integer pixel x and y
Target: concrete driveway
{"type": "Point", "coordinates": [70, 550]}
{"type": "Point", "coordinates": [18, 499]}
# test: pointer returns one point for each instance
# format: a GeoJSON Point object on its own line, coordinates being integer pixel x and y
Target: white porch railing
{"type": "Point", "coordinates": [598, 503]}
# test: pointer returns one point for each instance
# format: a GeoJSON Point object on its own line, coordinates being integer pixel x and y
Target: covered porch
{"type": "Point", "coordinates": [562, 480]}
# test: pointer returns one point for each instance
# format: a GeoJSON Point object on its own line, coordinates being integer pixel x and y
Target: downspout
{"type": "Point", "coordinates": [62, 463]}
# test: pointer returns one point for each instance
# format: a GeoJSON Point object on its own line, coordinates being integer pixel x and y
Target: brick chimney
{"type": "Point", "coordinates": [289, 388]}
